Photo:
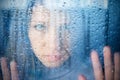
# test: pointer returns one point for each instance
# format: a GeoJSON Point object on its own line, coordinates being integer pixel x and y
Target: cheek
{"type": "Point", "coordinates": [67, 40]}
{"type": "Point", "coordinates": [37, 40]}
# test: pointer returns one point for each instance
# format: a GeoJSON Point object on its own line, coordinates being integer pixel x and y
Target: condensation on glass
{"type": "Point", "coordinates": [63, 30]}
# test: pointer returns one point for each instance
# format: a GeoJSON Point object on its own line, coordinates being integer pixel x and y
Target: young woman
{"type": "Point", "coordinates": [57, 53]}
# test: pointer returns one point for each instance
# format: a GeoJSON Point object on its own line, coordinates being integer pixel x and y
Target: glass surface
{"type": "Point", "coordinates": [52, 39]}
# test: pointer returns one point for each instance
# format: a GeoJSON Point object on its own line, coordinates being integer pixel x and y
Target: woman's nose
{"type": "Point", "coordinates": [53, 39]}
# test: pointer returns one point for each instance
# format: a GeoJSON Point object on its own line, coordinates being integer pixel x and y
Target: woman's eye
{"type": "Point", "coordinates": [65, 27]}
{"type": "Point", "coordinates": [39, 27]}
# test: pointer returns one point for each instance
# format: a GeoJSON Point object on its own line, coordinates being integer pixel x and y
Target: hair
{"type": "Point", "coordinates": [18, 46]}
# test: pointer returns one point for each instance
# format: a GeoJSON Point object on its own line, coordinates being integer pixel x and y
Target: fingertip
{"type": "Point", "coordinates": [117, 56]}
{"type": "Point", "coordinates": [13, 63]}
{"type": "Point", "coordinates": [116, 66]}
{"type": "Point", "coordinates": [117, 53]}
{"type": "Point", "coordinates": [82, 77]}
{"type": "Point", "coordinates": [14, 71]}
{"type": "Point", "coordinates": [106, 48]}
{"type": "Point", "coordinates": [94, 54]}
{"type": "Point", "coordinates": [2, 58]}
{"type": "Point", "coordinates": [106, 51]}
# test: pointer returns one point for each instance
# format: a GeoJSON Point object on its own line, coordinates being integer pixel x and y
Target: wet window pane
{"type": "Point", "coordinates": [52, 39]}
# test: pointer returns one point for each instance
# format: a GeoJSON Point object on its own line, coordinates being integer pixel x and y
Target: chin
{"type": "Point", "coordinates": [52, 64]}
{"type": "Point", "coordinates": [53, 61]}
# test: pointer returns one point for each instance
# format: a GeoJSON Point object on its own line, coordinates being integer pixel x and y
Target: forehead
{"type": "Point", "coordinates": [40, 14]}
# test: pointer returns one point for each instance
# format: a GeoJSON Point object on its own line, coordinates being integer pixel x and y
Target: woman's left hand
{"type": "Point", "coordinates": [111, 71]}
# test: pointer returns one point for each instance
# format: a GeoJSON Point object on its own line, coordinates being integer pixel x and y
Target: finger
{"type": "Point", "coordinates": [108, 63]}
{"type": "Point", "coordinates": [96, 66]}
{"type": "Point", "coordinates": [81, 77]}
{"type": "Point", "coordinates": [117, 66]}
{"type": "Point", "coordinates": [5, 70]}
{"type": "Point", "coordinates": [14, 72]}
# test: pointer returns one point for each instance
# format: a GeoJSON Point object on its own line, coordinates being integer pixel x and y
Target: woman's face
{"type": "Point", "coordinates": [49, 36]}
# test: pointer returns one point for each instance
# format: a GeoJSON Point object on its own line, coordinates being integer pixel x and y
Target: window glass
{"type": "Point", "coordinates": [52, 39]}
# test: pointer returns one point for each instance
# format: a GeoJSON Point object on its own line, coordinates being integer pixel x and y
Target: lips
{"type": "Point", "coordinates": [52, 58]}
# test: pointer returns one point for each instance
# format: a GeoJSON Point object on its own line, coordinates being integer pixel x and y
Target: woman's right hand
{"type": "Point", "coordinates": [7, 74]}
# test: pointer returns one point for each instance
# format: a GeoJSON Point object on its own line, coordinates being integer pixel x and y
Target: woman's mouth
{"type": "Point", "coordinates": [53, 58]}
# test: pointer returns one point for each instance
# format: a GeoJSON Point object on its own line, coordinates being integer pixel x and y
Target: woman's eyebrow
{"type": "Point", "coordinates": [40, 18]}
